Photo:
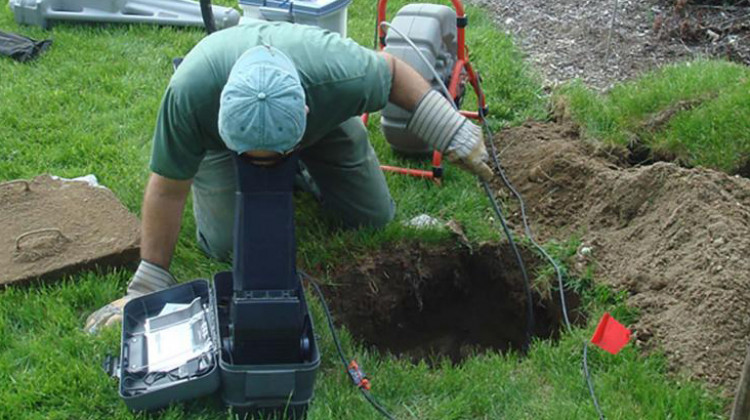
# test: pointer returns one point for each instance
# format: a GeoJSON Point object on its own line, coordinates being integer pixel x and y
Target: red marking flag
{"type": "Point", "coordinates": [610, 335]}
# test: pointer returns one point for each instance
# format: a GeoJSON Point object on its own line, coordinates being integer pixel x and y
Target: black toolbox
{"type": "Point", "coordinates": [172, 351]}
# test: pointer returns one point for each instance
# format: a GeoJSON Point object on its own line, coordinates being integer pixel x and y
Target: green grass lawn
{"type": "Point", "coordinates": [89, 105]}
{"type": "Point", "coordinates": [709, 125]}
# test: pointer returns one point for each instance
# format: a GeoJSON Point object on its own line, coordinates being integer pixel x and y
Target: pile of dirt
{"type": "Point", "coordinates": [452, 301]}
{"type": "Point", "coordinates": [676, 239]}
{"type": "Point", "coordinates": [51, 227]}
{"type": "Point", "coordinates": [567, 39]}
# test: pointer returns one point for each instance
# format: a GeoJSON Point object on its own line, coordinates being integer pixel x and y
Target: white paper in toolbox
{"type": "Point", "coordinates": [172, 345]}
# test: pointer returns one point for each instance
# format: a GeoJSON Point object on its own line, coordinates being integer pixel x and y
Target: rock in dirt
{"type": "Point", "coordinates": [423, 221]}
{"type": "Point", "coordinates": [52, 227]}
{"type": "Point", "coordinates": [678, 240]}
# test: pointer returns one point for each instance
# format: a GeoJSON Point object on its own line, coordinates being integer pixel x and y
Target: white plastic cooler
{"type": "Point", "coordinates": [327, 14]}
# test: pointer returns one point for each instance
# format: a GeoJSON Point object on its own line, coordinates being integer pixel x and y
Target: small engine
{"type": "Point", "coordinates": [432, 28]}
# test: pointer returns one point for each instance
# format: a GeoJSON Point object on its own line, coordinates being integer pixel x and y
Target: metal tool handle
{"type": "Point", "coordinates": [278, 13]}
{"type": "Point", "coordinates": [17, 181]}
{"type": "Point", "coordinates": [36, 232]}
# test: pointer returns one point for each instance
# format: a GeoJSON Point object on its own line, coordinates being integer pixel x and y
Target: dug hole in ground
{"type": "Point", "coordinates": [451, 300]}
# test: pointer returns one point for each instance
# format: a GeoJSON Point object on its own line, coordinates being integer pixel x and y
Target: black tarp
{"type": "Point", "coordinates": [21, 48]}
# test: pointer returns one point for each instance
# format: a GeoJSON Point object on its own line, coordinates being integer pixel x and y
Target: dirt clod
{"type": "Point", "coordinates": [446, 300]}
{"type": "Point", "coordinates": [678, 240]}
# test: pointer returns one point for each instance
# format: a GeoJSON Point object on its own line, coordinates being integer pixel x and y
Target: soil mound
{"type": "Point", "coordinates": [678, 240]}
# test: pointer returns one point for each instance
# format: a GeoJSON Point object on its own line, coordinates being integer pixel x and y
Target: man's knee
{"type": "Point", "coordinates": [219, 248]}
{"type": "Point", "coordinates": [384, 216]}
{"type": "Point", "coordinates": [214, 189]}
{"type": "Point", "coordinates": [374, 217]}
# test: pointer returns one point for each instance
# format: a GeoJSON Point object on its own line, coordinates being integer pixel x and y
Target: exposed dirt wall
{"type": "Point", "coordinates": [678, 240]}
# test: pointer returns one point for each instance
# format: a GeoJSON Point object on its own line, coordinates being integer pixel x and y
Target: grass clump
{"type": "Point", "coordinates": [696, 113]}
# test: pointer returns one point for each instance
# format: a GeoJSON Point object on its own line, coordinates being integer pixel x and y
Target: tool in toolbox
{"type": "Point", "coordinates": [250, 333]}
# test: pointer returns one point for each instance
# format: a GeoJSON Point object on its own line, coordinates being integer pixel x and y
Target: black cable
{"type": "Point", "coordinates": [368, 396]}
{"type": "Point", "coordinates": [558, 271]}
{"type": "Point", "coordinates": [207, 13]}
{"type": "Point", "coordinates": [588, 379]}
{"type": "Point", "coordinates": [377, 28]}
{"type": "Point", "coordinates": [527, 229]}
{"type": "Point", "coordinates": [519, 260]}
{"type": "Point", "coordinates": [329, 318]}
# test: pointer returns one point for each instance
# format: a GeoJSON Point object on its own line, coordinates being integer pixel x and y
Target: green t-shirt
{"type": "Point", "coordinates": [341, 79]}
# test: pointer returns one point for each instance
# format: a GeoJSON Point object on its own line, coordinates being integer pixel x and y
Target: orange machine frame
{"type": "Point", "coordinates": [462, 63]}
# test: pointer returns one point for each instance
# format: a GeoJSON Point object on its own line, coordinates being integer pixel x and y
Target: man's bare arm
{"type": "Point", "coordinates": [163, 204]}
{"type": "Point", "coordinates": [407, 85]}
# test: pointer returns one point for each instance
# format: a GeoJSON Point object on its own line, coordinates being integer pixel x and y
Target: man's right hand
{"type": "Point", "coordinates": [147, 279]}
{"type": "Point", "coordinates": [467, 151]}
{"type": "Point", "coordinates": [441, 126]}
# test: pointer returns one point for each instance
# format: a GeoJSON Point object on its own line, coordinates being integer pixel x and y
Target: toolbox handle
{"type": "Point", "coordinates": [36, 232]}
{"type": "Point", "coordinates": [17, 181]}
{"type": "Point", "coordinates": [278, 13]}
{"type": "Point", "coordinates": [111, 365]}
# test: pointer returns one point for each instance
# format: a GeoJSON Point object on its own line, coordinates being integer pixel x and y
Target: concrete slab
{"type": "Point", "coordinates": [51, 227]}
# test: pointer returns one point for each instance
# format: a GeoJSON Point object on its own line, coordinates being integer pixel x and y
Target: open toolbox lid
{"type": "Point", "coordinates": [170, 347]}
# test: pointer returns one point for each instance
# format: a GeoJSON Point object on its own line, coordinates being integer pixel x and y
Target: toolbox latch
{"type": "Point", "coordinates": [111, 365]}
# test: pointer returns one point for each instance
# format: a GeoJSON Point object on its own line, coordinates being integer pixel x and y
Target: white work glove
{"type": "Point", "coordinates": [438, 124]}
{"type": "Point", "coordinates": [148, 278]}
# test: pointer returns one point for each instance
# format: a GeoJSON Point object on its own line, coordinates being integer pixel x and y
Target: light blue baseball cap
{"type": "Point", "coordinates": [262, 105]}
